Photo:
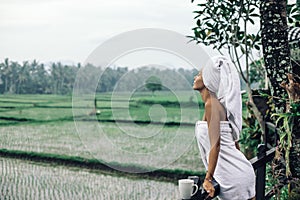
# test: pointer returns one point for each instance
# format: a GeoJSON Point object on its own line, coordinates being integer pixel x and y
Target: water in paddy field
{"type": "Point", "coordinates": [21, 179]}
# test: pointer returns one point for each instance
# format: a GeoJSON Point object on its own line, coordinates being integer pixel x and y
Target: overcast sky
{"type": "Point", "coordinates": [69, 30]}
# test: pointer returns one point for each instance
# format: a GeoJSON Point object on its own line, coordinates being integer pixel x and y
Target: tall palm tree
{"type": "Point", "coordinates": [23, 77]}
{"type": "Point", "coordinates": [5, 73]}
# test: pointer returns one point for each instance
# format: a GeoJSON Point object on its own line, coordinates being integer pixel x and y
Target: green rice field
{"type": "Point", "coordinates": [48, 124]}
{"type": "Point", "coordinates": [141, 130]}
{"type": "Point", "coordinates": [62, 138]}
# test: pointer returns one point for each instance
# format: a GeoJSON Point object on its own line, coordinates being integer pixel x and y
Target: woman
{"type": "Point", "coordinates": [217, 135]}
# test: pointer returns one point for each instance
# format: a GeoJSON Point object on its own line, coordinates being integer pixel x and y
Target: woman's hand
{"type": "Point", "coordinates": [208, 186]}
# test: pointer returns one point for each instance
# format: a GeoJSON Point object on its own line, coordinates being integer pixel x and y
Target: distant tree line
{"type": "Point", "coordinates": [32, 77]}
{"type": "Point", "coordinates": [36, 78]}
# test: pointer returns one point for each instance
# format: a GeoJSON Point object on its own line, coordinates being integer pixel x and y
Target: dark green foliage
{"type": "Point", "coordinates": [213, 27]}
{"type": "Point", "coordinates": [295, 193]}
{"type": "Point", "coordinates": [35, 78]}
{"type": "Point", "coordinates": [251, 132]}
{"type": "Point", "coordinates": [295, 149]}
{"type": "Point", "coordinates": [224, 26]}
{"type": "Point", "coordinates": [257, 73]}
{"type": "Point", "coordinates": [293, 14]}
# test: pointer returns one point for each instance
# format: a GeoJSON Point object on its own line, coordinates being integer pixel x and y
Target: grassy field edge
{"type": "Point", "coordinates": [168, 175]}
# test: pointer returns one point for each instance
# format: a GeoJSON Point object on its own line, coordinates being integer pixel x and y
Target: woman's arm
{"type": "Point", "coordinates": [213, 117]}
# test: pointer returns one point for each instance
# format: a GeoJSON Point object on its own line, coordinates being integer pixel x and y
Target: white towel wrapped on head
{"type": "Point", "coordinates": [221, 78]}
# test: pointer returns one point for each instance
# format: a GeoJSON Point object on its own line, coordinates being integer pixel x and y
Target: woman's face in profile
{"type": "Point", "coordinates": [198, 81]}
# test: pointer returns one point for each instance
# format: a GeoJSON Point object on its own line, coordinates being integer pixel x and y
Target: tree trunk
{"type": "Point", "coordinates": [277, 62]}
{"type": "Point", "coordinates": [275, 47]}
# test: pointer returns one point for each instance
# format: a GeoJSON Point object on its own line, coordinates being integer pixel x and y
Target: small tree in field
{"type": "Point", "coordinates": [153, 84]}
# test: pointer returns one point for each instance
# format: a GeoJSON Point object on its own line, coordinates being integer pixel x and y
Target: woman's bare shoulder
{"type": "Point", "coordinates": [214, 107]}
{"type": "Point", "coordinates": [212, 103]}
{"type": "Point", "coordinates": [208, 104]}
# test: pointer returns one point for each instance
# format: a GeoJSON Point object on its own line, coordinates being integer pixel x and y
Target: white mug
{"type": "Point", "coordinates": [186, 188]}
